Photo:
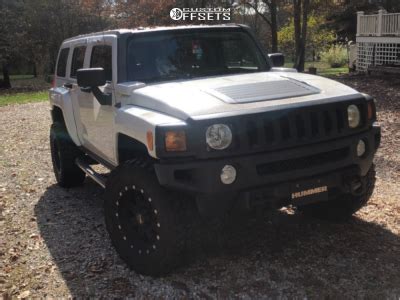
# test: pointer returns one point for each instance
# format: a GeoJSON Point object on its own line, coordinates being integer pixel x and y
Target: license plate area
{"type": "Point", "coordinates": [309, 191]}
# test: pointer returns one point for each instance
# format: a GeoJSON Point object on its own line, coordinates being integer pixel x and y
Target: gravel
{"type": "Point", "coordinates": [53, 241]}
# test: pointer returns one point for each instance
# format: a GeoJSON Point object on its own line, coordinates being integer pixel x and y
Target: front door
{"type": "Point", "coordinates": [96, 120]}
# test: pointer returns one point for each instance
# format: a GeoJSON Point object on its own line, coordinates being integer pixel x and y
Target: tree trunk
{"type": "Point", "coordinates": [302, 56]}
{"type": "Point", "coordinates": [6, 84]}
{"type": "Point", "coordinates": [34, 70]}
{"type": "Point", "coordinates": [297, 30]}
{"type": "Point", "coordinates": [272, 22]}
{"type": "Point", "coordinates": [274, 26]}
{"type": "Point", "coordinates": [300, 16]}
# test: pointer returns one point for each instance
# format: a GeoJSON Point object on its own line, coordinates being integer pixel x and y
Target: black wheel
{"type": "Point", "coordinates": [143, 219]}
{"type": "Point", "coordinates": [63, 155]}
{"type": "Point", "coordinates": [343, 206]}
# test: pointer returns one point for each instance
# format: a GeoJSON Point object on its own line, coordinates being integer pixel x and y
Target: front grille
{"type": "Point", "coordinates": [303, 162]}
{"type": "Point", "coordinates": [282, 129]}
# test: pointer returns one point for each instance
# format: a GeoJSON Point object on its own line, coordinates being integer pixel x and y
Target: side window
{"type": "Point", "coordinates": [78, 56]}
{"type": "Point", "coordinates": [62, 62]}
{"type": "Point", "coordinates": [102, 58]}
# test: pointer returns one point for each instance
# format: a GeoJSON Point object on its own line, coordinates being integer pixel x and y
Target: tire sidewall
{"type": "Point", "coordinates": [62, 148]}
{"type": "Point", "coordinates": [55, 134]}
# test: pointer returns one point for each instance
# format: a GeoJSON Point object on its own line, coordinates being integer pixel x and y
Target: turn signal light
{"type": "Point", "coordinates": [371, 110]}
{"type": "Point", "coordinates": [150, 140]}
{"type": "Point", "coordinates": [175, 141]}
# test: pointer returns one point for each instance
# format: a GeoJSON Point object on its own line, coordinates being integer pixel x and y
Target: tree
{"type": "Point", "coordinates": [318, 38]}
{"type": "Point", "coordinates": [68, 18]}
{"type": "Point", "coordinates": [10, 26]}
{"type": "Point", "coordinates": [300, 17]}
{"type": "Point", "coordinates": [267, 10]}
{"type": "Point", "coordinates": [143, 13]}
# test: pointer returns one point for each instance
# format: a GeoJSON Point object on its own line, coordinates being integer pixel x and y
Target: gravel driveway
{"type": "Point", "coordinates": [53, 241]}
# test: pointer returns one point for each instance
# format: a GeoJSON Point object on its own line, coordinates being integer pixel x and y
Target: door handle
{"type": "Point", "coordinates": [68, 85]}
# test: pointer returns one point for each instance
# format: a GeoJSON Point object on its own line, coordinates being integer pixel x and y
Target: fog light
{"type": "Point", "coordinates": [228, 174]}
{"type": "Point", "coordinates": [360, 148]}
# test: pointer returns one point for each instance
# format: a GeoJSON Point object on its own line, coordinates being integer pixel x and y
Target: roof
{"type": "Point", "coordinates": [150, 29]}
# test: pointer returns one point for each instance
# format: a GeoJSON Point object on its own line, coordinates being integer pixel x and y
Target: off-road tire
{"type": "Point", "coordinates": [63, 155]}
{"type": "Point", "coordinates": [342, 207]}
{"type": "Point", "coordinates": [145, 221]}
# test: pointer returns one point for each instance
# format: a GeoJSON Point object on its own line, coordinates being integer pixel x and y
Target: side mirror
{"type": "Point", "coordinates": [92, 77]}
{"type": "Point", "coordinates": [278, 59]}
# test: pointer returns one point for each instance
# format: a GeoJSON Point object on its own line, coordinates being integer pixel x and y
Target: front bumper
{"type": "Point", "coordinates": [271, 168]}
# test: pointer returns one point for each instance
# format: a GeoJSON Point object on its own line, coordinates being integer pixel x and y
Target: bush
{"type": "Point", "coordinates": [336, 56]}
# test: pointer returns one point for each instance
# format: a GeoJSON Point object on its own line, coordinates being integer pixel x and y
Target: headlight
{"type": "Point", "coordinates": [353, 114]}
{"type": "Point", "coordinates": [219, 136]}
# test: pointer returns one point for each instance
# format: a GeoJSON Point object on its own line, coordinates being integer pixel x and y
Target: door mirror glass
{"type": "Point", "coordinates": [278, 59]}
{"type": "Point", "coordinates": [92, 77]}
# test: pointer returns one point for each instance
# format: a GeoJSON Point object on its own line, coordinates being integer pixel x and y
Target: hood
{"type": "Point", "coordinates": [237, 94]}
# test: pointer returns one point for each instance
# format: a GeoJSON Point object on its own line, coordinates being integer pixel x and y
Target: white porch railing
{"type": "Point", "coordinates": [381, 24]}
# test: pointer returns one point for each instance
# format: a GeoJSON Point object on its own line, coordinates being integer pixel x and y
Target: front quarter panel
{"type": "Point", "coordinates": [135, 122]}
{"type": "Point", "coordinates": [61, 98]}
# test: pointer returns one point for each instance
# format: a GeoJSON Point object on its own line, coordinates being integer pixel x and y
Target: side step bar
{"type": "Point", "coordinates": [85, 167]}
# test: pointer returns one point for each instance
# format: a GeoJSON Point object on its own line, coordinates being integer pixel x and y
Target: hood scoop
{"type": "Point", "coordinates": [262, 91]}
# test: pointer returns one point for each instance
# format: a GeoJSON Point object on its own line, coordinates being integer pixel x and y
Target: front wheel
{"type": "Point", "coordinates": [143, 219]}
{"type": "Point", "coordinates": [342, 207]}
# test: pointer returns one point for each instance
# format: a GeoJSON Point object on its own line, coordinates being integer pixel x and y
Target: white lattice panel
{"type": "Point", "coordinates": [377, 54]}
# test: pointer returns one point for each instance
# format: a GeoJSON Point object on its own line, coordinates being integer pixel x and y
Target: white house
{"type": "Point", "coordinates": [378, 42]}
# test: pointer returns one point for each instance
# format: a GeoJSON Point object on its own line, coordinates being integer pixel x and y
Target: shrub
{"type": "Point", "coordinates": [336, 56]}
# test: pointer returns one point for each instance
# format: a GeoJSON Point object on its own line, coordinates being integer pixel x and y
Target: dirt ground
{"type": "Point", "coordinates": [53, 241]}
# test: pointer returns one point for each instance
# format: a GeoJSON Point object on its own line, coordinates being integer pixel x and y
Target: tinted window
{"type": "Point", "coordinates": [180, 55]}
{"type": "Point", "coordinates": [78, 56]}
{"type": "Point", "coordinates": [101, 58]}
{"type": "Point", "coordinates": [62, 62]}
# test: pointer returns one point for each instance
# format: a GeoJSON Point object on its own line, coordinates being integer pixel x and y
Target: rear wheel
{"type": "Point", "coordinates": [343, 206]}
{"type": "Point", "coordinates": [63, 155]}
{"type": "Point", "coordinates": [143, 219]}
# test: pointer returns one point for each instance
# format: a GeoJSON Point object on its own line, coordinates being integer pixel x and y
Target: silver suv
{"type": "Point", "coordinates": [199, 120]}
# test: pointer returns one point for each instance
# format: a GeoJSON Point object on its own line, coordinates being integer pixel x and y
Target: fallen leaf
{"type": "Point", "coordinates": [24, 294]}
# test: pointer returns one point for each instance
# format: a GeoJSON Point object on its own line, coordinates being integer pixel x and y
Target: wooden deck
{"type": "Point", "coordinates": [380, 24]}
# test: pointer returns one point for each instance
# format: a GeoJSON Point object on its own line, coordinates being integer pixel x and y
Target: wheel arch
{"type": "Point", "coordinates": [62, 111]}
{"type": "Point", "coordinates": [129, 148]}
{"type": "Point", "coordinates": [57, 115]}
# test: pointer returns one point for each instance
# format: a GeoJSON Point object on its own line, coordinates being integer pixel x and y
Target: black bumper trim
{"type": "Point", "coordinates": [203, 176]}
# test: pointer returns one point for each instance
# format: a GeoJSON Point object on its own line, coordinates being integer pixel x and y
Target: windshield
{"type": "Point", "coordinates": [170, 55]}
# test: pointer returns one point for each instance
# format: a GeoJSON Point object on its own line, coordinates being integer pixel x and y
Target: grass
{"type": "Point", "coordinates": [323, 69]}
{"type": "Point", "coordinates": [20, 98]}
{"type": "Point", "coordinates": [333, 71]}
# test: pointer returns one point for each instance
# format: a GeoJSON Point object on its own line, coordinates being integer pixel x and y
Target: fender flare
{"type": "Point", "coordinates": [137, 123]}
{"type": "Point", "coordinates": [61, 98]}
